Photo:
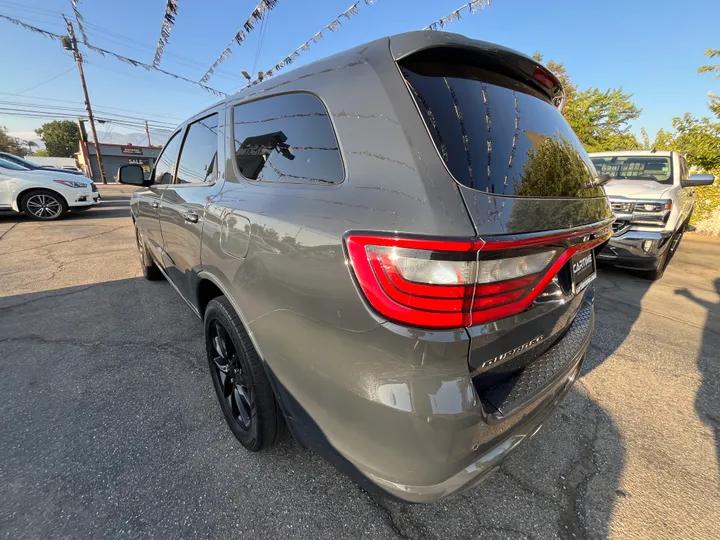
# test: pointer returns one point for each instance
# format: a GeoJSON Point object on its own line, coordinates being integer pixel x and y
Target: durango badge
{"type": "Point", "coordinates": [509, 354]}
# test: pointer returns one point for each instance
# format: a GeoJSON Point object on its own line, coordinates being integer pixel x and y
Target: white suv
{"type": "Point", "coordinates": [648, 191]}
{"type": "Point", "coordinates": [43, 195]}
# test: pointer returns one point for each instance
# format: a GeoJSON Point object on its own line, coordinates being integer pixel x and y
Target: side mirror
{"type": "Point", "coordinates": [132, 175]}
{"type": "Point", "coordinates": [698, 180]}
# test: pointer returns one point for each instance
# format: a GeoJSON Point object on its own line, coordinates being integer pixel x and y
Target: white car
{"type": "Point", "coordinates": [43, 195]}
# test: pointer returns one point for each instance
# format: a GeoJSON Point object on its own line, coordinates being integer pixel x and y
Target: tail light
{"type": "Point", "coordinates": [449, 284]}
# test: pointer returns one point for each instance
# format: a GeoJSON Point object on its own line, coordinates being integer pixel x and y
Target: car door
{"type": "Point", "coordinates": [183, 202]}
{"type": "Point", "coordinates": [4, 190]}
{"type": "Point", "coordinates": [148, 199]}
{"type": "Point", "coordinates": [685, 195]}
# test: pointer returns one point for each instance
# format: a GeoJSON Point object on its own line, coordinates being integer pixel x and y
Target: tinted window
{"type": "Point", "coordinates": [498, 135]}
{"type": "Point", "coordinates": [198, 160]}
{"type": "Point", "coordinates": [165, 166]}
{"type": "Point", "coordinates": [286, 138]}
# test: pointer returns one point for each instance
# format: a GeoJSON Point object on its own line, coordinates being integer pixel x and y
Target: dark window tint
{"type": "Point", "coordinates": [165, 166]}
{"type": "Point", "coordinates": [286, 138]}
{"type": "Point", "coordinates": [498, 135]}
{"type": "Point", "coordinates": [198, 159]}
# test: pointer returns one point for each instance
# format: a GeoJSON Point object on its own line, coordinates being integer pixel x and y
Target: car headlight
{"type": "Point", "coordinates": [659, 206]}
{"type": "Point", "coordinates": [654, 213]}
{"type": "Point", "coordinates": [71, 184]}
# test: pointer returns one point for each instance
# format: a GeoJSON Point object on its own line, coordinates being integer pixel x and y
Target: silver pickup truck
{"type": "Point", "coordinates": [649, 194]}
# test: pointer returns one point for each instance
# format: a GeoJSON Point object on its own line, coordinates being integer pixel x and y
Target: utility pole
{"type": "Point", "coordinates": [147, 132]}
{"type": "Point", "coordinates": [73, 46]}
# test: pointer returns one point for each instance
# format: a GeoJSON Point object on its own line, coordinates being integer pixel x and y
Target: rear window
{"type": "Point", "coordinates": [496, 134]}
{"type": "Point", "coordinates": [645, 168]}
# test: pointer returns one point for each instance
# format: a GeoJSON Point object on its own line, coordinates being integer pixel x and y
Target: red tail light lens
{"type": "Point", "coordinates": [446, 284]}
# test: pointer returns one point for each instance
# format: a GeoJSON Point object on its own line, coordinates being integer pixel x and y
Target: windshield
{"type": "Point", "coordinates": [655, 168]}
{"type": "Point", "coordinates": [5, 164]}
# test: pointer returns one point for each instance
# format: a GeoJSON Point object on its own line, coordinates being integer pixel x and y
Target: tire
{"type": "Point", "coordinates": [149, 269]}
{"type": "Point", "coordinates": [43, 205]}
{"type": "Point", "coordinates": [243, 390]}
{"type": "Point", "coordinates": [659, 271]}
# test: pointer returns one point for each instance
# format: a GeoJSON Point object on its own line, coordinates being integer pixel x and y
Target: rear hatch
{"type": "Point", "coordinates": [530, 190]}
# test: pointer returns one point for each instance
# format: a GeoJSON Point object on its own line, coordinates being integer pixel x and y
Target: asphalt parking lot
{"type": "Point", "coordinates": [109, 426]}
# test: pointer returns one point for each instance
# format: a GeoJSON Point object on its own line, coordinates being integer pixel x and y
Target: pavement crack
{"type": "Point", "coordinates": [65, 241]}
{"type": "Point", "coordinates": [575, 482]}
{"type": "Point", "coordinates": [526, 488]}
{"type": "Point", "coordinates": [10, 229]}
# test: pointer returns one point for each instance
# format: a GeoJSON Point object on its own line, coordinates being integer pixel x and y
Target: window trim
{"type": "Point", "coordinates": [160, 155]}
{"type": "Point", "coordinates": [236, 169]}
{"type": "Point", "coordinates": [186, 129]}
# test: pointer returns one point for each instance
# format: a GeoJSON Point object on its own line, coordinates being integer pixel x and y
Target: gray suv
{"type": "Point", "coordinates": [392, 250]}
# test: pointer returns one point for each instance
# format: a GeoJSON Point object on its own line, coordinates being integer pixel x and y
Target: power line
{"type": "Point", "coordinates": [258, 14]}
{"type": "Point", "coordinates": [103, 106]}
{"type": "Point", "coordinates": [47, 81]}
{"type": "Point", "coordinates": [77, 111]}
{"type": "Point", "coordinates": [263, 29]}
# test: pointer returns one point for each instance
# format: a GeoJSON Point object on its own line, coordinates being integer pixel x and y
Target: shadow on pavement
{"type": "Point", "coordinates": [707, 402]}
{"type": "Point", "coordinates": [110, 427]}
{"type": "Point", "coordinates": [618, 302]}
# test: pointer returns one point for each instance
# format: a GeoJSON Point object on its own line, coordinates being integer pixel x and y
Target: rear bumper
{"type": "Point", "coordinates": [636, 249]}
{"type": "Point", "coordinates": [533, 414]}
{"type": "Point", "coordinates": [418, 432]}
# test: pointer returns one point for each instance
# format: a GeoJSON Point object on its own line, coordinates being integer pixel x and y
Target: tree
{"type": "Point", "coordinates": [600, 118]}
{"type": "Point", "coordinates": [9, 144]}
{"type": "Point", "coordinates": [711, 53]}
{"type": "Point", "coordinates": [61, 137]}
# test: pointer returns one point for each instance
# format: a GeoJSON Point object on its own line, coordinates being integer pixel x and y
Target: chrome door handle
{"type": "Point", "coordinates": [155, 205]}
{"type": "Point", "coordinates": [190, 217]}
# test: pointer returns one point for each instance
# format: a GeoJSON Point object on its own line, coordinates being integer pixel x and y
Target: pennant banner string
{"type": "Point", "coordinates": [79, 19]}
{"type": "Point", "coordinates": [104, 52]}
{"type": "Point", "coordinates": [332, 26]}
{"type": "Point", "coordinates": [32, 28]}
{"type": "Point", "coordinates": [472, 7]}
{"type": "Point", "coordinates": [259, 13]}
{"type": "Point", "coordinates": [171, 8]}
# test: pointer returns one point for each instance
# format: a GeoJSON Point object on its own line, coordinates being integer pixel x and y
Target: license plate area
{"type": "Point", "coordinates": [583, 270]}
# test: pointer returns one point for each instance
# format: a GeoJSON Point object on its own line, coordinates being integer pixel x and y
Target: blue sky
{"type": "Point", "coordinates": [650, 48]}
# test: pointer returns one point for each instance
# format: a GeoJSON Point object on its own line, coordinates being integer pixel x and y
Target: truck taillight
{"type": "Point", "coordinates": [450, 284]}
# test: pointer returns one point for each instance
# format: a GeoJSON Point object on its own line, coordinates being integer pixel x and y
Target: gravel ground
{"type": "Point", "coordinates": [109, 425]}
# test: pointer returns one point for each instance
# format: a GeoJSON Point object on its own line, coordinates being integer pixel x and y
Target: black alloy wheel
{"type": "Point", "coordinates": [234, 388]}
{"type": "Point", "coordinates": [242, 387]}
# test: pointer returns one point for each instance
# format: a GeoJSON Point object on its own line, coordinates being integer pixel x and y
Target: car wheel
{"type": "Point", "coordinates": [246, 398]}
{"type": "Point", "coordinates": [43, 205]}
{"type": "Point", "coordinates": [149, 269]}
{"type": "Point", "coordinates": [659, 270]}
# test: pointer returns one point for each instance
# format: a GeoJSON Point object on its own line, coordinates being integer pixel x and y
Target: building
{"type": "Point", "coordinates": [113, 156]}
{"type": "Point", "coordinates": [58, 162]}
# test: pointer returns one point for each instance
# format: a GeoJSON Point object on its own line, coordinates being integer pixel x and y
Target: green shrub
{"type": "Point", "coordinates": [707, 199]}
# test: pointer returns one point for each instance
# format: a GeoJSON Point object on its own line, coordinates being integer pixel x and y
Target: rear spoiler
{"type": "Point", "coordinates": [501, 59]}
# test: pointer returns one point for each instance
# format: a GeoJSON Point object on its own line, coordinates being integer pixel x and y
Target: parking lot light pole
{"type": "Point", "coordinates": [72, 46]}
